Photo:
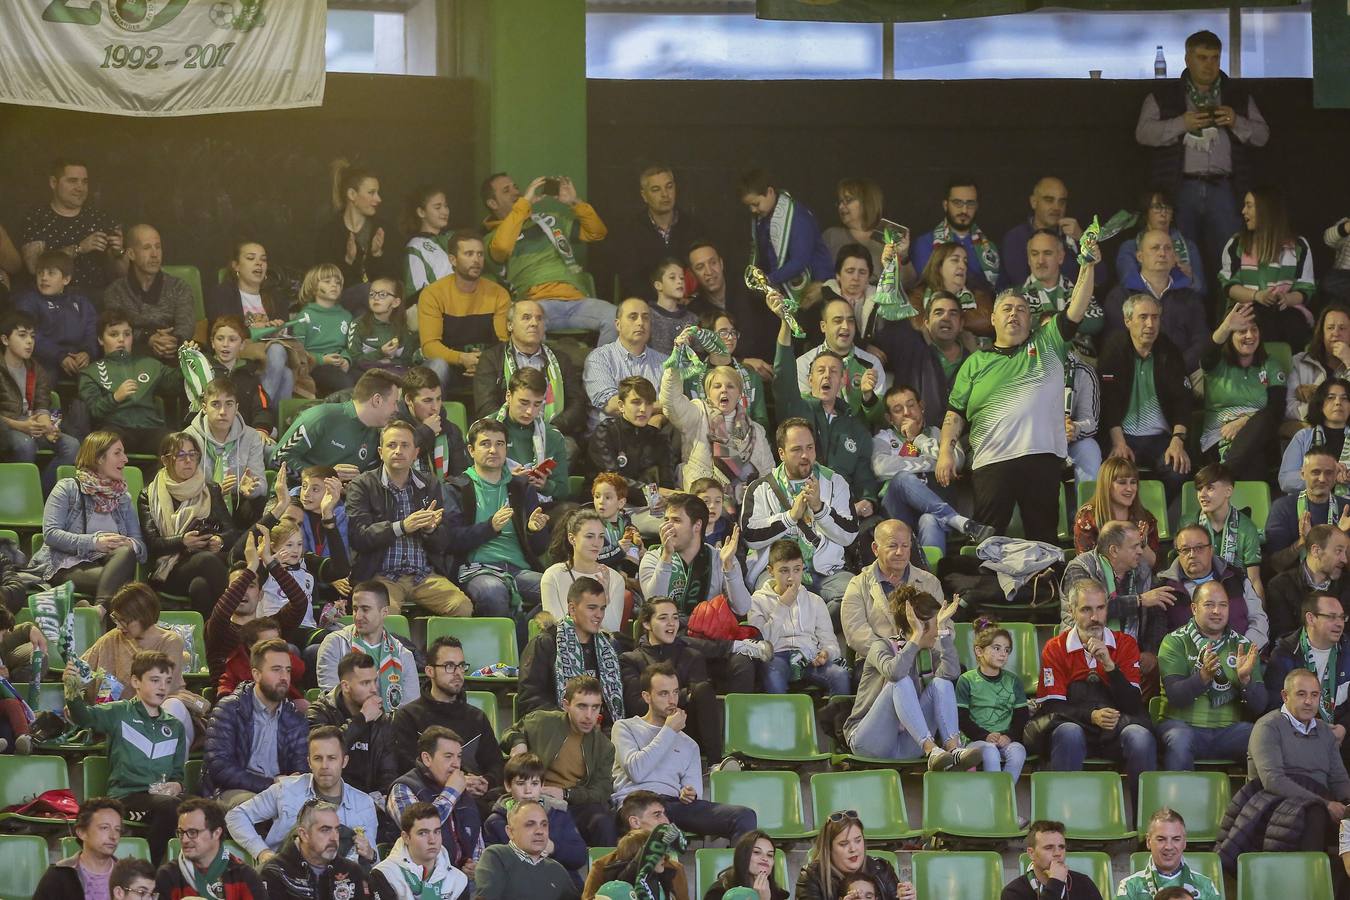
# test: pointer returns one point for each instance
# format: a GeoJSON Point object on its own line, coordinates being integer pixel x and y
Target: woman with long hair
{"type": "Point", "coordinates": [861, 222]}
{"type": "Point", "coordinates": [577, 546]}
{"type": "Point", "coordinates": [354, 238]}
{"type": "Point", "coordinates": [1328, 354]}
{"type": "Point", "coordinates": [946, 271]}
{"type": "Point", "coordinates": [751, 867]}
{"type": "Point", "coordinates": [840, 850]}
{"type": "Point", "coordinates": [426, 256]}
{"type": "Point", "coordinates": [246, 294]}
{"type": "Point", "coordinates": [1116, 498]}
{"type": "Point", "coordinates": [90, 534]}
{"type": "Point", "coordinates": [1244, 397]}
{"type": "Point", "coordinates": [1269, 266]}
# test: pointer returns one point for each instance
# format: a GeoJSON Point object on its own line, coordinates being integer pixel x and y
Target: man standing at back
{"type": "Point", "coordinates": [659, 229]}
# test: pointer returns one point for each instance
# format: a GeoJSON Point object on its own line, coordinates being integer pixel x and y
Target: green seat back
{"type": "Point", "coordinates": [776, 727]}
{"type": "Point", "coordinates": [193, 618]}
{"type": "Point", "coordinates": [24, 777]}
{"type": "Point", "coordinates": [576, 488]}
{"type": "Point", "coordinates": [946, 875]}
{"type": "Point", "coordinates": [313, 694]}
{"type": "Point", "coordinates": [1024, 661]}
{"type": "Point", "coordinates": [93, 777]}
{"type": "Point", "coordinates": [193, 277]}
{"type": "Point", "coordinates": [127, 848]}
{"type": "Point", "coordinates": [933, 556]}
{"type": "Point", "coordinates": [873, 793]}
{"type": "Point", "coordinates": [1093, 864]}
{"type": "Point", "coordinates": [1253, 496]}
{"type": "Point", "coordinates": [1207, 864]}
{"type": "Point", "coordinates": [396, 623]}
{"type": "Point", "coordinates": [192, 776]}
{"type": "Point", "coordinates": [1280, 355]}
{"type": "Point", "coordinates": [287, 410]}
{"type": "Point", "coordinates": [1200, 797]}
{"type": "Point", "coordinates": [486, 702]}
{"type": "Point", "coordinates": [456, 412]}
{"type": "Point", "coordinates": [970, 804]}
{"type": "Point", "coordinates": [135, 478]}
{"type": "Point", "coordinates": [20, 495]}
{"type": "Point", "coordinates": [888, 857]}
{"type": "Point", "coordinates": [487, 641]}
{"type": "Point", "coordinates": [710, 861]}
{"type": "Point", "coordinates": [1264, 875]}
{"type": "Point", "coordinates": [595, 853]}
{"type": "Point", "coordinates": [776, 798]}
{"type": "Point", "coordinates": [23, 859]}
{"type": "Point", "coordinates": [1090, 804]}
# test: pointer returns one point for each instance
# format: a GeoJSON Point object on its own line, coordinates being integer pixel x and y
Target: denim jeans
{"type": "Point", "coordinates": [1148, 453]}
{"type": "Point", "coordinates": [1086, 456]}
{"type": "Point", "coordinates": [723, 820]}
{"type": "Point", "coordinates": [1182, 743]}
{"type": "Point", "coordinates": [15, 446]}
{"type": "Point", "coordinates": [492, 597]}
{"type": "Point", "coordinates": [1069, 746]}
{"type": "Point", "coordinates": [278, 381]}
{"type": "Point", "coordinates": [901, 720]}
{"type": "Point", "coordinates": [1008, 759]}
{"type": "Point", "coordinates": [589, 313]}
{"type": "Point", "coordinates": [1208, 213]}
{"type": "Point", "coordinates": [920, 506]}
{"type": "Point", "coordinates": [831, 676]}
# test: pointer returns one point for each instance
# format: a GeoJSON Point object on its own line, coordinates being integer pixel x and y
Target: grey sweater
{"type": "Point", "coordinates": [655, 758]}
{"type": "Point", "coordinates": [886, 665]}
{"type": "Point", "coordinates": [1277, 751]}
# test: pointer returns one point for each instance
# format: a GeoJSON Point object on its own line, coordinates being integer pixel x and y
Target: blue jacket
{"type": "Point", "coordinates": [229, 744]}
{"type": "Point", "coordinates": [66, 538]}
{"type": "Point", "coordinates": [67, 323]}
{"type": "Point", "coordinates": [1127, 263]}
{"type": "Point", "coordinates": [806, 250]}
{"type": "Point", "coordinates": [568, 846]}
{"type": "Point", "coordinates": [1286, 657]}
{"type": "Point", "coordinates": [280, 805]}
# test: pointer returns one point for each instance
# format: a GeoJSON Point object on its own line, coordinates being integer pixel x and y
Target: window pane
{"type": "Point", "coordinates": [1277, 43]}
{"type": "Point", "coordinates": [636, 45]}
{"type": "Point", "coordinates": [362, 41]}
{"type": "Point", "coordinates": [1049, 44]}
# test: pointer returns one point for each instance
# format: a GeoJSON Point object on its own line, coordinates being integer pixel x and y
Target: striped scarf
{"type": "Point", "coordinates": [554, 398]}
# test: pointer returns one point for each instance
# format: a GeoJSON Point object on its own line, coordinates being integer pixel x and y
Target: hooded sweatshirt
{"type": "Point", "coordinates": [406, 880]}
{"type": "Point", "coordinates": [242, 449]}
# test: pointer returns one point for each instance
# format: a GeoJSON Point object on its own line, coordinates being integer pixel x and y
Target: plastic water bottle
{"type": "Point", "coordinates": [1159, 64]}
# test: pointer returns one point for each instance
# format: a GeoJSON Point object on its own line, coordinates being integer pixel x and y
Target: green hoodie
{"type": "Point", "coordinates": [369, 334]}
{"type": "Point", "coordinates": [328, 434]}
{"type": "Point", "coordinates": [99, 381]}
{"type": "Point", "coordinates": [324, 330]}
{"type": "Point", "coordinates": [141, 748]}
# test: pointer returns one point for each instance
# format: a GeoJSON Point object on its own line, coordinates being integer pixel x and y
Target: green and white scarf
{"type": "Point", "coordinates": [1328, 679]}
{"type": "Point", "coordinates": [1319, 439]}
{"type": "Point", "coordinates": [1046, 300]}
{"type": "Point", "coordinates": [780, 230]}
{"type": "Point", "coordinates": [209, 884]}
{"type": "Point", "coordinates": [666, 841]}
{"type": "Point", "coordinates": [986, 254]}
{"type": "Point", "coordinates": [966, 298]}
{"type": "Point", "coordinates": [388, 666]}
{"type": "Point", "coordinates": [1301, 504]}
{"type": "Point", "coordinates": [1227, 540]}
{"type": "Point", "coordinates": [539, 439]}
{"type": "Point", "coordinates": [689, 580]}
{"type": "Point", "coordinates": [808, 549]}
{"type": "Point", "coordinates": [891, 302]}
{"type": "Point", "coordinates": [197, 372]}
{"type": "Point", "coordinates": [1202, 100]}
{"type": "Point", "coordinates": [1226, 649]}
{"type": "Point", "coordinates": [554, 399]}
{"type": "Point", "coordinates": [571, 662]}
{"type": "Point", "coordinates": [1185, 878]}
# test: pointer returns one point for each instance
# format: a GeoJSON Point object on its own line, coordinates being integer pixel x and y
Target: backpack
{"type": "Point", "coordinates": [713, 620]}
{"type": "Point", "coordinates": [58, 805]}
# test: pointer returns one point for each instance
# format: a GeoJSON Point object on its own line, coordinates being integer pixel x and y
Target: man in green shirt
{"type": "Point", "coordinates": [1212, 686]}
{"type": "Point", "coordinates": [1166, 839]}
{"type": "Point", "coordinates": [1233, 533]}
{"type": "Point", "coordinates": [345, 436]}
{"type": "Point", "coordinates": [530, 439]}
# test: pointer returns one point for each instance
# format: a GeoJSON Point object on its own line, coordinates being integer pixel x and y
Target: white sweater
{"type": "Point", "coordinates": [558, 579]}
{"type": "Point", "coordinates": [804, 624]}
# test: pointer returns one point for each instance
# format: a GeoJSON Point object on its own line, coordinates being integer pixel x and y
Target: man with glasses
{"type": "Point", "coordinates": [309, 866]}
{"type": "Point", "coordinates": [1212, 688]}
{"type": "Point", "coordinates": [958, 227]}
{"type": "Point", "coordinates": [205, 868]}
{"type": "Point", "coordinates": [98, 828]}
{"type": "Point", "coordinates": [445, 704]}
{"type": "Point", "coordinates": [1196, 564]}
{"type": "Point", "coordinates": [132, 879]}
{"type": "Point", "coordinates": [1325, 552]}
{"type": "Point", "coordinates": [1321, 648]}
{"type": "Point", "coordinates": [354, 706]}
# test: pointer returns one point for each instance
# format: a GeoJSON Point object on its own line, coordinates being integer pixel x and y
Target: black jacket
{"type": "Point", "coordinates": [1116, 367]}
{"type": "Point", "coordinates": [539, 674]}
{"type": "Point", "coordinates": [369, 745]}
{"type": "Point", "coordinates": [219, 521]}
{"type": "Point", "coordinates": [370, 524]}
{"type": "Point", "coordinates": [809, 886]}
{"type": "Point", "coordinates": [689, 665]}
{"type": "Point", "coordinates": [1081, 887]}
{"type": "Point", "coordinates": [467, 535]}
{"type": "Point", "coordinates": [416, 716]}
{"type": "Point", "coordinates": [61, 881]}
{"type": "Point", "coordinates": [255, 407]}
{"type": "Point", "coordinates": [489, 390]}
{"type": "Point", "coordinates": [640, 455]}
{"type": "Point", "coordinates": [425, 439]}
{"type": "Point", "coordinates": [288, 877]}
{"type": "Point", "coordinates": [1284, 600]}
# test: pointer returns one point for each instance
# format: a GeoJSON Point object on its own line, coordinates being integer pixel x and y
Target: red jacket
{"type": "Point", "coordinates": [238, 670]}
{"type": "Point", "coordinates": [240, 882]}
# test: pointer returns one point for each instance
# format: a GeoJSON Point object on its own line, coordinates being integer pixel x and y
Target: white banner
{"type": "Point", "coordinates": [162, 57]}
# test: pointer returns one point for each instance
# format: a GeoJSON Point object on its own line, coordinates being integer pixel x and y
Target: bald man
{"type": "Point", "coordinates": [162, 308]}
{"type": "Point", "coordinates": [1183, 307]}
{"type": "Point", "coordinates": [863, 612]}
{"type": "Point", "coordinates": [627, 355]}
{"type": "Point", "coordinates": [1048, 201]}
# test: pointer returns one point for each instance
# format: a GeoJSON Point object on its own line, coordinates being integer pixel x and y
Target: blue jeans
{"type": "Point", "coordinates": [712, 819]}
{"type": "Point", "coordinates": [1183, 743]}
{"type": "Point", "coordinates": [278, 381]}
{"type": "Point", "coordinates": [831, 676]}
{"type": "Point", "coordinates": [1069, 746]}
{"type": "Point", "coordinates": [15, 446]}
{"type": "Point", "coordinates": [901, 720]}
{"type": "Point", "coordinates": [492, 597]}
{"type": "Point", "coordinates": [1086, 456]}
{"type": "Point", "coordinates": [1008, 759]}
{"type": "Point", "coordinates": [916, 503]}
{"type": "Point", "coordinates": [1208, 213]}
{"type": "Point", "coordinates": [1148, 454]}
{"type": "Point", "coordinates": [589, 313]}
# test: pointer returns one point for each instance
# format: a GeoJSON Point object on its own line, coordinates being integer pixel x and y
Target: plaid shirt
{"type": "Point", "coordinates": [406, 556]}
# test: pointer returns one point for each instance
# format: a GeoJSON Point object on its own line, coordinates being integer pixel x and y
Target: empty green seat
{"type": "Point", "coordinates": [1090, 804]}
{"type": "Point", "coordinates": [193, 618]}
{"type": "Point", "coordinates": [458, 414]}
{"type": "Point", "coordinates": [24, 777]}
{"type": "Point", "coordinates": [1200, 798]}
{"type": "Point", "coordinates": [193, 276]}
{"type": "Point", "coordinates": [487, 641]}
{"type": "Point", "coordinates": [1261, 876]}
{"type": "Point", "coordinates": [1093, 864]}
{"type": "Point", "coordinates": [969, 875]}
{"type": "Point", "coordinates": [1024, 661]}
{"type": "Point", "coordinates": [127, 848]}
{"type": "Point", "coordinates": [970, 805]}
{"type": "Point", "coordinates": [710, 861]}
{"type": "Point", "coordinates": [873, 793]}
{"type": "Point", "coordinates": [777, 728]}
{"type": "Point", "coordinates": [776, 798]}
{"type": "Point", "coordinates": [20, 495]}
{"type": "Point", "coordinates": [1207, 864]}
{"type": "Point", "coordinates": [23, 859]}
{"type": "Point", "coordinates": [485, 701]}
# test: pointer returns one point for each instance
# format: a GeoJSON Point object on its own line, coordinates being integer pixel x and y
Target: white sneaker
{"type": "Point", "coordinates": [761, 650]}
{"type": "Point", "coordinates": [940, 760]}
{"type": "Point", "coordinates": [730, 764]}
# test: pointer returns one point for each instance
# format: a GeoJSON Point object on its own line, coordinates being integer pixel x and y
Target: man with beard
{"type": "Point", "coordinates": [1325, 549]}
{"type": "Point", "coordinates": [958, 226]}
{"type": "Point", "coordinates": [91, 237]}
{"type": "Point", "coordinates": [204, 868]}
{"type": "Point", "coordinates": [927, 352]}
{"type": "Point", "coordinates": [354, 706]}
{"type": "Point", "coordinates": [444, 704]}
{"type": "Point", "coordinates": [1048, 201]}
{"type": "Point", "coordinates": [460, 314]}
{"type": "Point", "coordinates": [864, 374]}
{"type": "Point", "coordinates": [524, 348]}
{"type": "Point", "coordinates": [715, 291]}
{"type": "Point", "coordinates": [308, 867]}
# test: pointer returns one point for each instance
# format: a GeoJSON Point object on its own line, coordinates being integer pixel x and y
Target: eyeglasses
{"type": "Point", "coordinates": [187, 455]}
{"type": "Point", "coordinates": [1191, 551]}
{"type": "Point", "coordinates": [728, 333]}
{"type": "Point", "coordinates": [189, 833]}
{"type": "Point", "coordinates": [451, 668]}
{"type": "Point", "coordinates": [963, 204]}
{"type": "Point", "coordinates": [1160, 207]}
{"type": "Point", "coordinates": [845, 815]}
{"type": "Point", "coordinates": [1335, 617]}
{"type": "Point", "coordinates": [382, 295]}
{"type": "Point", "coordinates": [147, 893]}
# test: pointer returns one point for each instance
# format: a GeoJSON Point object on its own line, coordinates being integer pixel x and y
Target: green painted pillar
{"type": "Point", "coordinates": [527, 59]}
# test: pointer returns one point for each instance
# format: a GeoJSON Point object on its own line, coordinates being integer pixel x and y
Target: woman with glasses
{"type": "Point", "coordinates": [751, 867]}
{"type": "Point", "coordinates": [187, 525]}
{"type": "Point", "coordinates": [840, 850]}
{"type": "Point", "coordinates": [1328, 426]}
{"type": "Point", "coordinates": [1158, 213]}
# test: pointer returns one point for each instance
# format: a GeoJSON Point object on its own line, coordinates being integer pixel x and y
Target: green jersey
{"type": "Point", "coordinates": [142, 749]}
{"type": "Point", "coordinates": [1144, 415]}
{"type": "Point", "coordinates": [368, 334]}
{"type": "Point", "coordinates": [1232, 391]}
{"type": "Point", "coordinates": [1013, 397]}
{"type": "Point", "coordinates": [1238, 542]}
{"type": "Point", "coordinates": [489, 497]}
{"type": "Point", "coordinates": [100, 380]}
{"type": "Point", "coordinates": [991, 701]}
{"type": "Point", "coordinates": [323, 330]}
{"type": "Point", "coordinates": [522, 449]}
{"type": "Point", "coordinates": [1221, 704]}
{"type": "Point", "coordinates": [543, 252]}
{"type": "Point", "coordinates": [326, 435]}
{"type": "Point", "coordinates": [1145, 884]}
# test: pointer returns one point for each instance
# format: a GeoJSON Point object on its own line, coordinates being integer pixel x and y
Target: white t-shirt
{"type": "Point", "coordinates": [1320, 659]}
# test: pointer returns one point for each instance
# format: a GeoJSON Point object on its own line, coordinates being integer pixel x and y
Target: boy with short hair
{"type": "Point", "coordinates": [797, 624]}
{"type": "Point", "coordinates": [623, 545]}
{"type": "Point", "coordinates": [67, 323]}
{"type": "Point", "coordinates": [627, 444]}
{"type": "Point", "coordinates": [709, 490]}
{"type": "Point", "coordinates": [1232, 532]}
{"type": "Point", "coordinates": [232, 452]}
{"type": "Point", "coordinates": [147, 747]}
{"type": "Point", "coordinates": [441, 451]}
{"type": "Point", "coordinates": [523, 778]}
{"type": "Point", "coordinates": [530, 439]}
{"type": "Point", "coordinates": [119, 390]}
{"type": "Point", "coordinates": [670, 313]}
{"type": "Point", "coordinates": [26, 422]}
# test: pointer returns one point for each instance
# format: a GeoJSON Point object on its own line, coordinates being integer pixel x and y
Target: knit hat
{"type": "Point", "coordinates": [620, 890]}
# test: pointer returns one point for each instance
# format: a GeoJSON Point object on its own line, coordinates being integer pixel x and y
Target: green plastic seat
{"type": "Point", "coordinates": [313, 694]}
{"type": "Point", "coordinates": [23, 859]}
{"type": "Point", "coordinates": [576, 488]}
{"type": "Point", "coordinates": [1200, 797]}
{"type": "Point", "coordinates": [970, 805]}
{"type": "Point", "coordinates": [192, 776]}
{"type": "Point", "coordinates": [1280, 355]}
{"type": "Point", "coordinates": [1024, 661]}
{"type": "Point", "coordinates": [776, 798]}
{"type": "Point", "coordinates": [1253, 496]}
{"type": "Point", "coordinates": [287, 410]}
{"type": "Point", "coordinates": [20, 496]}
{"type": "Point", "coordinates": [193, 277]}
{"type": "Point", "coordinates": [87, 629]}
{"type": "Point", "coordinates": [193, 618]}
{"type": "Point", "coordinates": [127, 848]}
{"type": "Point", "coordinates": [595, 853]}
{"type": "Point", "coordinates": [710, 861]}
{"type": "Point", "coordinates": [396, 623]}
{"type": "Point", "coordinates": [486, 702]}
{"type": "Point", "coordinates": [1090, 804]}
{"type": "Point", "coordinates": [1093, 864]}
{"type": "Point", "coordinates": [135, 478]}
{"type": "Point", "coordinates": [968, 875]}
{"type": "Point", "coordinates": [487, 641]}
{"type": "Point", "coordinates": [24, 777]}
{"type": "Point", "coordinates": [933, 556]}
{"type": "Point", "coordinates": [1264, 875]}
{"type": "Point", "coordinates": [456, 412]}
{"type": "Point", "coordinates": [1207, 864]}
{"type": "Point", "coordinates": [777, 728]}
{"type": "Point", "coordinates": [873, 793]}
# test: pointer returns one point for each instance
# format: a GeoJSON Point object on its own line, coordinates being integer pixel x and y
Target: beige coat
{"type": "Point", "coordinates": [863, 613]}
{"type": "Point", "coordinates": [691, 418]}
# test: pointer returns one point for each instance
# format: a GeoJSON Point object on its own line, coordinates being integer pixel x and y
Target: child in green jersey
{"type": "Point", "coordinates": [991, 704]}
{"type": "Point", "coordinates": [120, 390]}
{"type": "Point", "coordinates": [323, 327]}
{"type": "Point", "coordinates": [380, 338]}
